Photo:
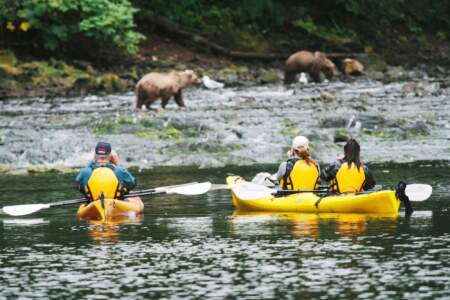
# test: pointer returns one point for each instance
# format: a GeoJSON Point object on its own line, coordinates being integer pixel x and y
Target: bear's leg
{"type": "Point", "coordinates": [179, 99]}
{"type": "Point", "coordinates": [141, 97]}
{"type": "Point", "coordinates": [164, 101]}
{"type": "Point", "coordinates": [289, 76]}
{"type": "Point", "coordinates": [314, 72]}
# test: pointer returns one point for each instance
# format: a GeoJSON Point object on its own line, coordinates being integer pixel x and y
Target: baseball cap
{"type": "Point", "coordinates": [300, 141]}
{"type": "Point", "coordinates": [103, 148]}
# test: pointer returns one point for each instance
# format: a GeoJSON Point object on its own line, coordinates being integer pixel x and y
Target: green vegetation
{"type": "Point", "coordinates": [333, 34]}
{"type": "Point", "coordinates": [52, 23]}
{"type": "Point", "coordinates": [144, 128]}
{"type": "Point", "coordinates": [112, 126]}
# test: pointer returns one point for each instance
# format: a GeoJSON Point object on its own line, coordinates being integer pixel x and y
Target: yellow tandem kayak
{"type": "Point", "coordinates": [380, 202]}
{"type": "Point", "coordinates": [110, 209]}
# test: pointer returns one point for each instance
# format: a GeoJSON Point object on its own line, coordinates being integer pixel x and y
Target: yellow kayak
{"type": "Point", "coordinates": [110, 209]}
{"type": "Point", "coordinates": [380, 202]}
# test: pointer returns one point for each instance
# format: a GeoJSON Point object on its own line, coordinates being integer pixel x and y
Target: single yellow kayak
{"type": "Point", "coordinates": [380, 202]}
{"type": "Point", "coordinates": [110, 209]}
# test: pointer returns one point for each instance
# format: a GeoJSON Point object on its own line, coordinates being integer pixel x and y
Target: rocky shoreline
{"type": "Point", "coordinates": [57, 78]}
{"type": "Point", "coordinates": [401, 121]}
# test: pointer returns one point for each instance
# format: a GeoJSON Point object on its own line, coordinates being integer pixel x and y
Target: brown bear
{"type": "Point", "coordinates": [163, 85]}
{"type": "Point", "coordinates": [352, 67]}
{"type": "Point", "coordinates": [311, 63]}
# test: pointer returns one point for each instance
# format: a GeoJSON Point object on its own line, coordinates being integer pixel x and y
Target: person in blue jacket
{"type": "Point", "coordinates": [103, 157]}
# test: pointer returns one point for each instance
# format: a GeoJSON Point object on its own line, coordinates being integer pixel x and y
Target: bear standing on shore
{"type": "Point", "coordinates": [163, 85]}
{"type": "Point", "coordinates": [308, 62]}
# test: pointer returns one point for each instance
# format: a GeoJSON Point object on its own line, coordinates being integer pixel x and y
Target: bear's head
{"type": "Point", "coordinates": [189, 77]}
{"type": "Point", "coordinates": [353, 67]}
{"type": "Point", "coordinates": [326, 65]}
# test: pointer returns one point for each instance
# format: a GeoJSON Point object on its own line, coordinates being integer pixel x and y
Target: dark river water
{"type": "Point", "coordinates": [199, 247]}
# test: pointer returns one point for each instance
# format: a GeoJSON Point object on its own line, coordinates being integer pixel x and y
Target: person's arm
{"type": "Point", "coordinates": [369, 183]}
{"type": "Point", "coordinates": [126, 179]}
{"type": "Point", "coordinates": [281, 171]}
{"type": "Point", "coordinates": [82, 179]}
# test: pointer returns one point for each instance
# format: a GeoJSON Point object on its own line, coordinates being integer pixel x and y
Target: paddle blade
{"type": "Point", "coordinates": [251, 191]}
{"type": "Point", "coordinates": [192, 189]}
{"type": "Point", "coordinates": [22, 210]}
{"type": "Point", "coordinates": [418, 192]}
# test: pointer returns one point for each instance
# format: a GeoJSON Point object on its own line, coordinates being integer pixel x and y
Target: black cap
{"type": "Point", "coordinates": [103, 148]}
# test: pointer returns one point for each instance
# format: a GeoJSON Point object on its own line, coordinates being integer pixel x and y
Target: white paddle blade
{"type": "Point", "coordinates": [192, 189]}
{"type": "Point", "coordinates": [418, 192]}
{"type": "Point", "coordinates": [22, 210]}
{"type": "Point", "coordinates": [251, 191]}
{"type": "Point", "coordinates": [165, 188]}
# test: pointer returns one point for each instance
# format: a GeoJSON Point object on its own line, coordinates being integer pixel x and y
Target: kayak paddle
{"type": "Point", "coordinates": [252, 191]}
{"type": "Point", "coordinates": [184, 189]}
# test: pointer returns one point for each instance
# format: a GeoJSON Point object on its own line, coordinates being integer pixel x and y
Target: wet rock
{"type": "Point", "coordinates": [395, 73]}
{"type": "Point", "coordinates": [421, 89]}
{"type": "Point", "coordinates": [111, 83]}
{"type": "Point", "coordinates": [6, 169]}
{"type": "Point", "coordinates": [327, 96]}
{"type": "Point", "coordinates": [419, 128]}
{"type": "Point", "coordinates": [373, 63]}
{"type": "Point", "coordinates": [231, 79]}
{"type": "Point", "coordinates": [370, 121]}
{"type": "Point", "coordinates": [268, 76]}
{"type": "Point", "coordinates": [333, 122]}
{"type": "Point", "coordinates": [83, 65]}
{"type": "Point", "coordinates": [376, 75]}
{"type": "Point", "coordinates": [341, 135]}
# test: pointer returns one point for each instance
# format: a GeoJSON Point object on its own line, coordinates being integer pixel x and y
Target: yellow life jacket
{"type": "Point", "coordinates": [103, 181]}
{"type": "Point", "coordinates": [349, 179]}
{"type": "Point", "coordinates": [302, 176]}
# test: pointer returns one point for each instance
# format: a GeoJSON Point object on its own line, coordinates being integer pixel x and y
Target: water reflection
{"type": "Point", "coordinates": [109, 231]}
{"type": "Point", "coordinates": [25, 221]}
{"type": "Point", "coordinates": [309, 224]}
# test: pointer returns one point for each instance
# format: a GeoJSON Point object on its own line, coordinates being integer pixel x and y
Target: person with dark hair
{"type": "Point", "coordinates": [348, 174]}
{"type": "Point", "coordinates": [116, 179]}
{"type": "Point", "coordinates": [300, 171]}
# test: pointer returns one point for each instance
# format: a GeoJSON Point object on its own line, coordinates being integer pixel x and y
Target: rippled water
{"type": "Point", "coordinates": [196, 247]}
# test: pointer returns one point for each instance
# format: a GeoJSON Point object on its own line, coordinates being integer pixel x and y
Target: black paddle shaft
{"type": "Point", "coordinates": [69, 202]}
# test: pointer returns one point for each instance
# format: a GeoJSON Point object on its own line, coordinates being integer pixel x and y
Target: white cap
{"type": "Point", "coordinates": [300, 141]}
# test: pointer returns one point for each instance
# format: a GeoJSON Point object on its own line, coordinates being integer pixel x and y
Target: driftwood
{"type": "Point", "coordinates": [176, 31]}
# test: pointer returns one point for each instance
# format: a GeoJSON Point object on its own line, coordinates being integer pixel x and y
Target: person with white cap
{"type": "Point", "coordinates": [300, 171]}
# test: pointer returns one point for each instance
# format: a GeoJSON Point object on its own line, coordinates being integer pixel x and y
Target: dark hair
{"type": "Point", "coordinates": [351, 153]}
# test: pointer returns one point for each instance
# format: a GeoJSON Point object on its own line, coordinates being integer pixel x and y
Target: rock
{"type": "Point", "coordinates": [419, 128]}
{"type": "Point", "coordinates": [333, 122]}
{"type": "Point", "coordinates": [373, 63]}
{"type": "Point", "coordinates": [269, 76]}
{"type": "Point", "coordinates": [395, 73]}
{"type": "Point", "coordinates": [327, 96]}
{"type": "Point", "coordinates": [421, 88]}
{"type": "Point", "coordinates": [375, 75]}
{"type": "Point", "coordinates": [231, 79]}
{"type": "Point", "coordinates": [341, 135]}
{"type": "Point", "coordinates": [6, 168]}
{"type": "Point", "coordinates": [111, 83]}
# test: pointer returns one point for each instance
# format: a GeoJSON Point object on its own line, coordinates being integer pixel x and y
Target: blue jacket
{"type": "Point", "coordinates": [125, 178]}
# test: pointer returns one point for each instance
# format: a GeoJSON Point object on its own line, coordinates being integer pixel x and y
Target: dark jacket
{"type": "Point", "coordinates": [329, 173]}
